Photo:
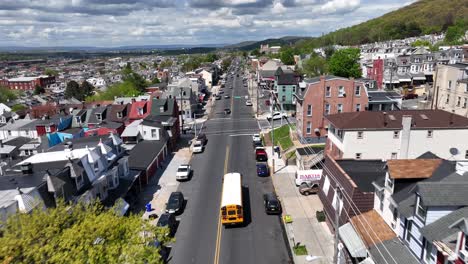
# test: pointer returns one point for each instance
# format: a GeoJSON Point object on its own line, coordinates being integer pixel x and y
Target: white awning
{"type": "Point", "coordinates": [405, 80]}
{"type": "Point", "coordinates": [352, 241]}
{"type": "Point", "coordinates": [419, 78]}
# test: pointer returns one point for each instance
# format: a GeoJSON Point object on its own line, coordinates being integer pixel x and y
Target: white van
{"type": "Point", "coordinates": [305, 176]}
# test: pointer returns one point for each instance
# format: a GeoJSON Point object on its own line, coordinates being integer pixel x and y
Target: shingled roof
{"type": "Point", "coordinates": [412, 168]}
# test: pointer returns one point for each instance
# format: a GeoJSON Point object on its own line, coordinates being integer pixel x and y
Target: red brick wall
{"type": "Point", "coordinates": [377, 72]}
{"type": "Point", "coordinates": [43, 82]}
{"type": "Point", "coordinates": [315, 96]}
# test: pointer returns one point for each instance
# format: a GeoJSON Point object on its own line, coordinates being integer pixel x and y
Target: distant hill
{"type": "Point", "coordinates": [250, 45]}
{"type": "Point", "coordinates": [419, 18]}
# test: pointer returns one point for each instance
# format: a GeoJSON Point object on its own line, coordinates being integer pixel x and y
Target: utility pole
{"type": "Point", "coordinates": [182, 110]}
{"type": "Point", "coordinates": [257, 97]}
{"type": "Point", "coordinates": [337, 223]}
{"type": "Point", "coordinates": [273, 134]}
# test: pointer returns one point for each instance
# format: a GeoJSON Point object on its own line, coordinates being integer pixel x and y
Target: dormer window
{"type": "Point", "coordinates": [389, 183]}
{"type": "Point", "coordinates": [140, 111]}
{"type": "Point", "coordinates": [79, 181]}
{"type": "Point", "coordinates": [96, 166]}
{"type": "Point", "coordinates": [119, 115]}
{"type": "Point", "coordinates": [99, 117]}
{"type": "Point", "coordinates": [420, 208]}
{"type": "Point", "coordinates": [78, 119]}
{"type": "Point", "coordinates": [47, 129]}
{"type": "Point", "coordinates": [161, 109]}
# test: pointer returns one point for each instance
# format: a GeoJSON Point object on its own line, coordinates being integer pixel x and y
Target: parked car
{"type": "Point", "coordinates": [227, 111]}
{"type": "Point", "coordinates": [197, 147]}
{"type": "Point", "coordinates": [256, 138]}
{"type": "Point", "coordinates": [169, 221]}
{"type": "Point", "coordinates": [175, 203]}
{"type": "Point", "coordinates": [263, 170]}
{"type": "Point", "coordinates": [272, 204]}
{"type": "Point", "coordinates": [221, 92]}
{"type": "Point", "coordinates": [202, 137]}
{"type": "Point", "coordinates": [248, 103]}
{"type": "Point", "coordinates": [260, 154]}
{"type": "Point", "coordinates": [257, 144]}
{"type": "Point", "coordinates": [227, 97]}
{"type": "Point", "coordinates": [276, 116]}
{"type": "Point", "coordinates": [183, 172]}
{"type": "Point", "coordinates": [218, 97]}
{"type": "Point", "coordinates": [308, 188]}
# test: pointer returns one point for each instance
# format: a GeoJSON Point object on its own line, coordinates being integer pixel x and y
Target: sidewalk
{"type": "Point", "coordinates": [305, 229]}
{"type": "Point", "coordinates": [164, 183]}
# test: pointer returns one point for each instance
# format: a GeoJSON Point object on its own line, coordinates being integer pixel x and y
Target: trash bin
{"type": "Point", "coordinates": [148, 207]}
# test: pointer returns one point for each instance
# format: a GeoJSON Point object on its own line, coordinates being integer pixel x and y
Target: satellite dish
{"type": "Point", "coordinates": [454, 151]}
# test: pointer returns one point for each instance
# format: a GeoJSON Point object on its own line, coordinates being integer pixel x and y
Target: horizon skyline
{"type": "Point", "coordinates": [117, 23]}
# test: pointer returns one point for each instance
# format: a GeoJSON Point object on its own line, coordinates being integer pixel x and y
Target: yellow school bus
{"type": "Point", "coordinates": [232, 211]}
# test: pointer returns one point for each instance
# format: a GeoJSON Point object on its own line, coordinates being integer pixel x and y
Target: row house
{"type": "Point", "coordinates": [19, 128]}
{"type": "Point", "coordinates": [420, 199]}
{"type": "Point", "coordinates": [187, 100]}
{"type": "Point", "coordinates": [451, 89]}
{"type": "Point", "coordinates": [28, 83]}
{"type": "Point", "coordinates": [322, 96]}
{"type": "Point", "coordinates": [71, 173]}
{"type": "Point", "coordinates": [397, 135]}
{"type": "Point", "coordinates": [166, 112]}
{"type": "Point", "coordinates": [285, 86]}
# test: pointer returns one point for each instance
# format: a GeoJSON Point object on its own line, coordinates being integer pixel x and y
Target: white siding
{"type": "Point", "coordinates": [436, 212]}
{"type": "Point", "coordinates": [145, 131]}
{"type": "Point", "coordinates": [373, 145]}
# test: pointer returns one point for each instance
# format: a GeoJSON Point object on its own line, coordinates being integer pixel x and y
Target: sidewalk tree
{"type": "Point", "coordinates": [79, 234]}
{"type": "Point", "coordinates": [345, 63]}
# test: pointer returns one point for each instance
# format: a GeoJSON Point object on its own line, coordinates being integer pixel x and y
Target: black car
{"type": "Point", "coordinates": [227, 111]}
{"type": "Point", "coordinates": [202, 137]}
{"type": "Point", "coordinates": [169, 221]}
{"type": "Point", "coordinates": [263, 170]}
{"type": "Point", "coordinates": [272, 204]}
{"type": "Point", "coordinates": [218, 97]}
{"type": "Point", "coordinates": [257, 144]}
{"type": "Point", "coordinates": [175, 203]}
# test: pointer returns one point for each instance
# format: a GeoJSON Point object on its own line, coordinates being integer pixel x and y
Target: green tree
{"type": "Point", "coordinates": [39, 89]}
{"type": "Point", "coordinates": [124, 89]}
{"type": "Point", "coordinates": [128, 75]}
{"type": "Point", "coordinates": [421, 43]}
{"type": "Point", "coordinates": [287, 56]}
{"type": "Point", "coordinates": [87, 88]}
{"type": "Point", "coordinates": [50, 72]}
{"type": "Point", "coordinates": [315, 66]}
{"type": "Point", "coordinates": [211, 57]}
{"type": "Point", "coordinates": [18, 107]}
{"type": "Point", "coordinates": [345, 63]}
{"type": "Point", "coordinates": [155, 80]}
{"type": "Point", "coordinates": [79, 234]}
{"type": "Point", "coordinates": [6, 95]}
{"type": "Point", "coordinates": [256, 53]}
{"type": "Point", "coordinates": [166, 63]}
{"type": "Point", "coordinates": [73, 90]}
{"type": "Point", "coordinates": [329, 50]}
{"type": "Point", "coordinates": [455, 33]}
{"type": "Point", "coordinates": [226, 63]}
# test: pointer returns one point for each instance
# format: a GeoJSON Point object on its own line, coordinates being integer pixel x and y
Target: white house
{"type": "Point", "coordinates": [19, 128]}
{"type": "Point", "coordinates": [397, 135]}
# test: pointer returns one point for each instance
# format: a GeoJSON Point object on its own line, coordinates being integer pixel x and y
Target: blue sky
{"type": "Point", "coordinates": [108, 23]}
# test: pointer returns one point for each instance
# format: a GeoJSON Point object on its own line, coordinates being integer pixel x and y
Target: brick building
{"type": "Point", "coordinates": [27, 83]}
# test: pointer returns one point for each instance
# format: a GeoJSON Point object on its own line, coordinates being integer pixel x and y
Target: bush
{"type": "Point", "coordinates": [300, 250]}
{"type": "Point", "coordinates": [320, 216]}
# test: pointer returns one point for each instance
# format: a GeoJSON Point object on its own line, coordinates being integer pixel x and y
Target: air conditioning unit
{"type": "Point", "coordinates": [463, 255]}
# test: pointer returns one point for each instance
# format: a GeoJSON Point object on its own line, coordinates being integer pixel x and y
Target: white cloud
{"type": "Point", "coordinates": [278, 8]}
{"type": "Point", "coordinates": [340, 6]}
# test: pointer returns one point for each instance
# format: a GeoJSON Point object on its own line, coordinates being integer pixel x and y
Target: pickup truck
{"type": "Point", "coordinates": [260, 154]}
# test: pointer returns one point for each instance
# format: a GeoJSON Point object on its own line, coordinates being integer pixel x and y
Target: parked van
{"type": "Point", "coordinates": [308, 176]}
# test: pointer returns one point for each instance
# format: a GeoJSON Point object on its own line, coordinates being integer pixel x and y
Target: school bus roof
{"type": "Point", "coordinates": [232, 190]}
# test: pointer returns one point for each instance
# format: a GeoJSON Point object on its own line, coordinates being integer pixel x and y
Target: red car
{"type": "Point", "coordinates": [260, 154]}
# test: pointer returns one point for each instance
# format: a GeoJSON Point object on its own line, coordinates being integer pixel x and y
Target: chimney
{"type": "Point", "coordinates": [26, 168]}
{"type": "Point", "coordinates": [405, 136]}
{"type": "Point", "coordinates": [385, 119]}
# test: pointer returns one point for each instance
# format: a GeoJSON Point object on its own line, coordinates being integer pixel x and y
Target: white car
{"type": "Point", "coordinates": [248, 103]}
{"type": "Point", "coordinates": [197, 147]}
{"type": "Point", "coordinates": [277, 116]}
{"type": "Point", "coordinates": [183, 172]}
{"type": "Point", "coordinates": [256, 138]}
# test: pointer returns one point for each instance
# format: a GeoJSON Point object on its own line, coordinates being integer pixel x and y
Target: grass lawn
{"type": "Point", "coordinates": [300, 250]}
{"type": "Point", "coordinates": [281, 137]}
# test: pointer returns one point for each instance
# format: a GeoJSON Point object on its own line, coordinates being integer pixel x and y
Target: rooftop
{"type": "Point", "coordinates": [363, 172]}
{"type": "Point", "coordinates": [412, 168]}
{"type": "Point", "coordinates": [379, 232]}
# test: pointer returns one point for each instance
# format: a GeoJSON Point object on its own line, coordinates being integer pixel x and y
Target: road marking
{"type": "Point", "coordinates": [219, 232]}
{"type": "Point", "coordinates": [240, 135]}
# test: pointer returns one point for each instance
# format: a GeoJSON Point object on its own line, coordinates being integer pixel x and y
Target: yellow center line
{"type": "Point", "coordinates": [219, 233]}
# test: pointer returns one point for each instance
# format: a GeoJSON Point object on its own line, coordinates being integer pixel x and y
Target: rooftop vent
{"type": "Point", "coordinates": [392, 117]}
{"type": "Point", "coordinates": [423, 116]}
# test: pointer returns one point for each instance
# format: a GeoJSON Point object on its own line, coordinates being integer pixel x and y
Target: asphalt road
{"type": "Point", "coordinates": [200, 238]}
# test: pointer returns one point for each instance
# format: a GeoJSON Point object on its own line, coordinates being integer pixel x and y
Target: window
{"type": "Point", "coordinates": [395, 214]}
{"type": "Point", "coordinates": [447, 101]}
{"type": "Point", "coordinates": [328, 91]}
{"type": "Point", "coordinates": [358, 155]}
{"type": "Point", "coordinates": [309, 128]}
{"type": "Point", "coordinates": [294, 89]}
{"type": "Point", "coordinates": [358, 107]}
{"type": "Point", "coordinates": [360, 134]}
{"type": "Point", "coordinates": [96, 166]}
{"type": "Point", "coordinates": [389, 182]}
{"type": "Point", "coordinates": [98, 117]}
{"type": "Point", "coordinates": [153, 133]}
{"type": "Point", "coordinates": [382, 197]}
{"type": "Point", "coordinates": [396, 134]}
{"type": "Point", "coordinates": [78, 119]}
{"type": "Point", "coordinates": [429, 133]}
{"type": "Point", "coordinates": [327, 109]}
{"type": "Point", "coordinates": [9, 132]}
{"type": "Point", "coordinates": [357, 91]}
{"type": "Point", "coordinates": [458, 101]}
{"type": "Point", "coordinates": [340, 108]}
{"type": "Point", "coordinates": [283, 98]}
{"type": "Point", "coordinates": [119, 115]}
{"type": "Point", "coordinates": [428, 251]}
{"type": "Point", "coordinates": [420, 209]}
{"type": "Point", "coordinates": [47, 129]}
{"type": "Point", "coordinates": [394, 155]}
{"type": "Point", "coordinates": [309, 110]}
{"type": "Point", "coordinates": [466, 154]}
{"type": "Point", "coordinates": [409, 226]}
{"type": "Point", "coordinates": [79, 181]}
{"type": "Point", "coordinates": [284, 89]}
{"type": "Point", "coordinates": [341, 91]}
{"type": "Point", "coordinates": [465, 102]}
{"type": "Point", "coordinates": [450, 85]}
{"type": "Point", "coordinates": [326, 185]}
